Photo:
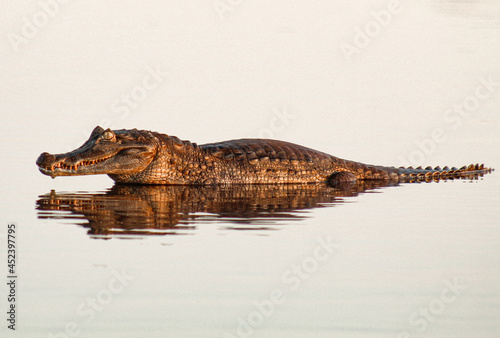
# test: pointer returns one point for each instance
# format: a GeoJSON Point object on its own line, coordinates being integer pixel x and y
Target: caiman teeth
{"type": "Point", "coordinates": [90, 162]}
{"type": "Point", "coordinates": [64, 166]}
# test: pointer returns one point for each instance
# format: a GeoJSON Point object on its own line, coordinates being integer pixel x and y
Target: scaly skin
{"type": "Point", "coordinates": [144, 157]}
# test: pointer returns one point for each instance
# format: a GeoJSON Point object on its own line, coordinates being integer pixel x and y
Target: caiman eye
{"type": "Point", "coordinates": [108, 135]}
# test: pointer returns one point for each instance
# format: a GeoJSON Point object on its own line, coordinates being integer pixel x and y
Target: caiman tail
{"type": "Point", "coordinates": [350, 171]}
{"type": "Point", "coordinates": [411, 174]}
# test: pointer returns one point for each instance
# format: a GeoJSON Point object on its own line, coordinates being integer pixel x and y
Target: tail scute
{"type": "Point", "coordinates": [428, 174]}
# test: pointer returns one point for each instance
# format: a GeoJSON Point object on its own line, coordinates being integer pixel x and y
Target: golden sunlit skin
{"type": "Point", "coordinates": [145, 157]}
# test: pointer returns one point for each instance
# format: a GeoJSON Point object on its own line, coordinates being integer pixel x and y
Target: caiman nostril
{"type": "Point", "coordinates": [45, 160]}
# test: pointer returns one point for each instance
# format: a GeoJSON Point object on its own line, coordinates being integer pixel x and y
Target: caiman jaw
{"type": "Point", "coordinates": [48, 165]}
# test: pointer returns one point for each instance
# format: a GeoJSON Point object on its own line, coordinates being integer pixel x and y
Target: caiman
{"type": "Point", "coordinates": [146, 157]}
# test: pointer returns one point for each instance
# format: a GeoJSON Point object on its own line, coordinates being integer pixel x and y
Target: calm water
{"type": "Point", "coordinates": [270, 261]}
{"type": "Point", "coordinates": [101, 260]}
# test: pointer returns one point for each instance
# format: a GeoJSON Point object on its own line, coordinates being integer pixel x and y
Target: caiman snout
{"type": "Point", "coordinates": [45, 160]}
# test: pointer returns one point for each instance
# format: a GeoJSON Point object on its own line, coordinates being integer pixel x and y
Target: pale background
{"type": "Point", "coordinates": [227, 75]}
{"type": "Point", "coordinates": [230, 76]}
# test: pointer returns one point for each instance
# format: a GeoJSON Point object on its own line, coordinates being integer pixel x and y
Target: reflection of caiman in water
{"type": "Point", "coordinates": [148, 210]}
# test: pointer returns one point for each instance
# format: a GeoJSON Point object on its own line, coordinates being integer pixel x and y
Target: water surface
{"type": "Point", "coordinates": [102, 260]}
{"type": "Point", "coordinates": [355, 262]}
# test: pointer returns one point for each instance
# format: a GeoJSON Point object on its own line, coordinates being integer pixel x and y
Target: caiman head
{"type": "Point", "coordinates": [105, 152]}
